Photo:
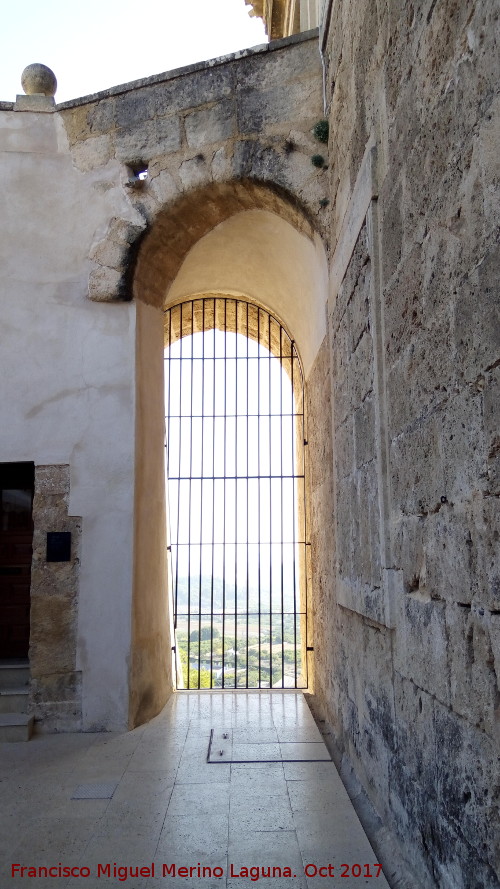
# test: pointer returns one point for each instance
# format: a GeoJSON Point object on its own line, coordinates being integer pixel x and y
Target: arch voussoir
{"type": "Point", "coordinates": [196, 146]}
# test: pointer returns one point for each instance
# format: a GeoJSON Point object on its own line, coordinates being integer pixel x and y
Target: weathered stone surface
{"type": "Point", "coordinates": [473, 678]}
{"type": "Point", "coordinates": [92, 153]}
{"type": "Point", "coordinates": [39, 104]}
{"type": "Point", "coordinates": [268, 110]}
{"type": "Point", "coordinates": [423, 625]}
{"type": "Point", "coordinates": [216, 124]}
{"type": "Point", "coordinates": [441, 351]}
{"type": "Point", "coordinates": [105, 284]}
{"type": "Point", "coordinates": [38, 79]}
{"type": "Point", "coordinates": [488, 527]}
{"type": "Point", "coordinates": [491, 415]}
{"type": "Point", "coordinates": [135, 108]}
{"type": "Point", "coordinates": [194, 172]}
{"type": "Point", "coordinates": [164, 187]}
{"type": "Point", "coordinates": [199, 88]}
{"type": "Point", "coordinates": [417, 473]}
{"type": "Point", "coordinates": [145, 141]}
{"type": "Point", "coordinates": [109, 253]}
{"type": "Point", "coordinates": [101, 117]}
{"type": "Point", "coordinates": [450, 565]}
{"type": "Point", "coordinates": [221, 165]}
{"type": "Point", "coordinates": [54, 605]}
{"type": "Point", "coordinates": [477, 317]}
{"type": "Point", "coordinates": [53, 635]}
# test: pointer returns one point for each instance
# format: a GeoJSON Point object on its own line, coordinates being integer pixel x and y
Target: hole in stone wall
{"type": "Point", "coordinates": [138, 170]}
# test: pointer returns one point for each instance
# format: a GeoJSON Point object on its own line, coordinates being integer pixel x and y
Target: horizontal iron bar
{"type": "Point", "coordinates": [239, 613]}
{"type": "Point", "coordinates": [222, 478]}
{"type": "Point", "coordinates": [241, 542]}
{"type": "Point", "coordinates": [242, 416]}
{"type": "Point", "coordinates": [244, 358]}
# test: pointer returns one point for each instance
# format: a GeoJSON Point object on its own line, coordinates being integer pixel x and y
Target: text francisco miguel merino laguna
{"type": "Point", "coordinates": [197, 871]}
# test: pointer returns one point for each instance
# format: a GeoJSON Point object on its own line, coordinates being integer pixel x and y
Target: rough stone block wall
{"type": "Point", "coordinates": [415, 702]}
{"type": "Point", "coordinates": [247, 117]}
{"type": "Point", "coordinates": [320, 519]}
{"type": "Point", "coordinates": [55, 693]}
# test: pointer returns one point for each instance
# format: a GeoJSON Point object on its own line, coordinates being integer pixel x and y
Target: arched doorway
{"type": "Point", "coordinates": [271, 259]}
{"type": "Point", "coordinates": [236, 440]}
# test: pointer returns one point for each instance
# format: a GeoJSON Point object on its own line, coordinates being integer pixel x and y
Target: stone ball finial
{"type": "Point", "coordinates": [37, 79]}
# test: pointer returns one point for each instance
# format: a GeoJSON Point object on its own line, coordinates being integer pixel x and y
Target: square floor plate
{"type": "Point", "coordinates": [104, 790]}
{"type": "Point", "coordinates": [222, 748]}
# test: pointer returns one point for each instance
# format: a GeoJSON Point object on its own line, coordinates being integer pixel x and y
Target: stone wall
{"type": "Point", "coordinates": [402, 396]}
{"type": "Point", "coordinates": [408, 662]}
{"type": "Point", "coordinates": [56, 694]}
{"type": "Point", "coordinates": [247, 118]}
{"type": "Point", "coordinates": [80, 387]}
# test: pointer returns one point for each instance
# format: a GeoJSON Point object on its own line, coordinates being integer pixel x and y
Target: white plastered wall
{"type": "Point", "coordinates": [67, 382]}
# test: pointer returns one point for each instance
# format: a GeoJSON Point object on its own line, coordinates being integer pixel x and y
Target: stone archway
{"type": "Point", "coordinates": [253, 242]}
{"type": "Point", "coordinates": [218, 141]}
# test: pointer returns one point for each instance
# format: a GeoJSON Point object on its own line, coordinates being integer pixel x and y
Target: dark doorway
{"type": "Point", "coordinates": [16, 546]}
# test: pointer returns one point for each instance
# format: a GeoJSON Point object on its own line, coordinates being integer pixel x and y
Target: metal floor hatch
{"type": "Point", "coordinates": [226, 745]}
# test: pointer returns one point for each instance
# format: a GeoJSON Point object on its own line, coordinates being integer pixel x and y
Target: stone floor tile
{"type": "Point", "coordinates": [264, 849]}
{"type": "Point", "coordinates": [256, 752]}
{"type": "Point", "coordinates": [251, 735]}
{"type": "Point", "coordinates": [264, 782]}
{"type": "Point", "coordinates": [146, 787]}
{"type": "Point", "coordinates": [194, 769]}
{"type": "Point", "coordinates": [202, 799]}
{"type": "Point", "coordinates": [339, 832]}
{"type": "Point", "coordinates": [309, 771]}
{"type": "Point", "coordinates": [300, 732]}
{"type": "Point", "coordinates": [250, 814]}
{"type": "Point", "coordinates": [185, 835]}
{"type": "Point", "coordinates": [171, 806]}
{"type": "Point", "coordinates": [304, 751]}
{"type": "Point", "coordinates": [306, 797]}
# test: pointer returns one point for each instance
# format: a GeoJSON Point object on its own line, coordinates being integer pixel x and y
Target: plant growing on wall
{"type": "Point", "coordinates": [321, 131]}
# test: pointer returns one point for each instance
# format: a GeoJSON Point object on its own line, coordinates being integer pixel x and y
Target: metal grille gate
{"type": "Point", "coordinates": [236, 490]}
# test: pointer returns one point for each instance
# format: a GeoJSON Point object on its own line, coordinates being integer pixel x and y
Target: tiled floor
{"type": "Point", "coordinates": [171, 807]}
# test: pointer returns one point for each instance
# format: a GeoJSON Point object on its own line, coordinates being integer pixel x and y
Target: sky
{"type": "Point", "coordinates": [221, 436]}
{"type": "Point", "coordinates": [92, 45]}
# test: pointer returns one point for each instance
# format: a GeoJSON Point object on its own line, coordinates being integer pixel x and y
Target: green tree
{"type": "Point", "coordinates": [204, 678]}
{"type": "Point", "coordinates": [206, 634]}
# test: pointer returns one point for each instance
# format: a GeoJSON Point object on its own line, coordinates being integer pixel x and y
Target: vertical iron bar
{"type": "Point", "coordinates": [213, 522]}
{"type": "Point", "coordinates": [248, 508]}
{"type": "Point", "coordinates": [224, 502]}
{"type": "Point", "coordinates": [190, 494]}
{"type": "Point", "coordinates": [179, 470]}
{"type": "Point", "coordinates": [201, 476]}
{"type": "Point", "coordinates": [172, 592]}
{"type": "Point", "coordinates": [305, 667]}
{"type": "Point", "coordinates": [236, 499]}
{"type": "Point", "coordinates": [270, 511]}
{"type": "Point", "coordinates": [295, 488]}
{"type": "Point", "coordinates": [258, 495]}
{"type": "Point", "coordinates": [281, 470]}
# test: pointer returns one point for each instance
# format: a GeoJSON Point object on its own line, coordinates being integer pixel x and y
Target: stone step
{"type": "Point", "coordinates": [14, 700]}
{"type": "Point", "coordinates": [14, 673]}
{"type": "Point", "coordinates": [16, 726]}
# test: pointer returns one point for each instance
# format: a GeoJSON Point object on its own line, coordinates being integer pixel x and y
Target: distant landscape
{"type": "Point", "coordinates": [214, 651]}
